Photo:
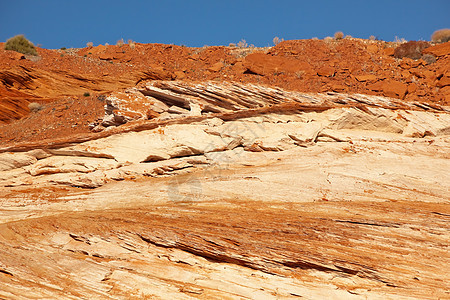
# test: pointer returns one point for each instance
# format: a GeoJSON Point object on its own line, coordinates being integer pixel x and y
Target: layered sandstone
{"type": "Point", "coordinates": [229, 190]}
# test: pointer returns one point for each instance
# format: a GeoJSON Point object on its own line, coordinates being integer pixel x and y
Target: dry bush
{"type": "Point", "coordinates": [232, 45]}
{"type": "Point", "coordinates": [34, 106]}
{"type": "Point", "coordinates": [89, 44]}
{"type": "Point", "coordinates": [411, 49]}
{"type": "Point", "coordinates": [328, 39]}
{"type": "Point", "coordinates": [429, 58]}
{"type": "Point", "coordinates": [20, 44]}
{"type": "Point", "coordinates": [131, 44]}
{"type": "Point", "coordinates": [399, 40]}
{"type": "Point", "coordinates": [339, 35]}
{"type": "Point", "coordinates": [242, 44]}
{"type": "Point", "coordinates": [441, 36]}
{"type": "Point", "coordinates": [276, 40]}
{"type": "Point", "coordinates": [372, 38]}
{"type": "Point", "coordinates": [120, 43]}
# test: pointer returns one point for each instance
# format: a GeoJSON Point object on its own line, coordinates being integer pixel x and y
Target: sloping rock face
{"type": "Point", "coordinates": [220, 190]}
{"type": "Point", "coordinates": [347, 65]}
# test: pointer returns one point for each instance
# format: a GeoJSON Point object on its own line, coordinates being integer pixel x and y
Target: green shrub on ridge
{"type": "Point", "coordinates": [20, 44]}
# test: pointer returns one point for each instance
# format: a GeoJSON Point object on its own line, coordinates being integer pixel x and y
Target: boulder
{"type": "Point", "coordinates": [394, 89]}
{"type": "Point", "coordinates": [216, 67]}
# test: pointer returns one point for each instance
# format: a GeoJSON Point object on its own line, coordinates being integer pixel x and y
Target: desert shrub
{"type": "Point", "coordinates": [34, 106]}
{"type": "Point", "coordinates": [441, 36]}
{"type": "Point", "coordinates": [132, 44]}
{"type": "Point", "coordinates": [63, 48]}
{"type": "Point", "coordinates": [20, 44]}
{"type": "Point", "coordinates": [89, 44]}
{"type": "Point", "coordinates": [120, 43]}
{"type": "Point", "coordinates": [411, 49]}
{"type": "Point", "coordinates": [328, 39]}
{"type": "Point", "coordinates": [339, 35]}
{"type": "Point", "coordinates": [372, 38]}
{"type": "Point", "coordinates": [399, 40]}
{"type": "Point", "coordinates": [242, 44]}
{"type": "Point", "coordinates": [429, 58]}
{"type": "Point", "coordinates": [277, 40]}
{"type": "Point", "coordinates": [232, 45]}
{"type": "Point", "coordinates": [86, 94]}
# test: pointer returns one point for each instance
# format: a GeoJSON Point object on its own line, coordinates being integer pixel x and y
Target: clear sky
{"type": "Point", "coordinates": [63, 23]}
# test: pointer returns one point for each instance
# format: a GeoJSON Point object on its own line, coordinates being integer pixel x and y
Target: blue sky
{"type": "Point", "coordinates": [61, 23]}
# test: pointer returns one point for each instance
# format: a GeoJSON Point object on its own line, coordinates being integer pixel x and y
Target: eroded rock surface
{"type": "Point", "coordinates": [232, 191]}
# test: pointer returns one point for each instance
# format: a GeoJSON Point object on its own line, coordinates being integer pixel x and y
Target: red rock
{"type": "Point", "coordinates": [429, 75]}
{"type": "Point", "coordinates": [372, 48]}
{"type": "Point", "coordinates": [445, 90]}
{"type": "Point", "coordinates": [338, 88]}
{"type": "Point", "coordinates": [438, 50]}
{"type": "Point", "coordinates": [16, 55]}
{"type": "Point", "coordinates": [444, 81]}
{"type": "Point", "coordinates": [412, 88]}
{"type": "Point", "coordinates": [394, 89]}
{"type": "Point", "coordinates": [266, 65]}
{"type": "Point", "coordinates": [179, 75]}
{"type": "Point", "coordinates": [216, 67]}
{"type": "Point", "coordinates": [326, 71]}
{"type": "Point", "coordinates": [97, 50]}
{"type": "Point", "coordinates": [362, 78]}
{"type": "Point", "coordinates": [406, 63]}
{"type": "Point", "coordinates": [406, 74]}
{"type": "Point", "coordinates": [376, 87]}
{"type": "Point", "coordinates": [389, 51]}
{"type": "Point", "coordinates": [194, 56]}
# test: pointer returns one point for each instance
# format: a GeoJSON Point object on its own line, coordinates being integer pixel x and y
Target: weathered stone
{"type": "Point", "coordinates": [9, 161]}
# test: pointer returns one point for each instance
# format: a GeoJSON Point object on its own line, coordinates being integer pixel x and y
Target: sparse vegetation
{"type": "Point", "coordinates": [242, 44]}
{"type": "Point", "coordinates": [399, 40]}
{"type": "Point", "coordinates": [20, 44]}
{"type": "Point", "coordinates": [131, 44]}
{"type": "Point", "coordinates": [339, 35]}
{"type": "Point", "coordinates": [86, 94]}
{"type": "Point", "coordinates": [411, 49]}
{"type": "Point", "coordinates": [89, 44]}
{"type": "Point", "coordinates": [429, 58]}
{"type": "Point", "coordinates": [120, 43]}
{"type": "Point", "coordinates": [277, 40]}
{"type": "Point", "coordinates": [441, 36]}
{"type": "Point", "coordinates": [232, 45]}
{"type": "Point", "coordinates": [63, 48]}
{"type": "Point", "coordinates": [372, 38]}
{"type": "Point", "coordinates": [34, 106]}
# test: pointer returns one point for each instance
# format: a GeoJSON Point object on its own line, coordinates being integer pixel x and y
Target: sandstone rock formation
{"type": "Point", "coordinates": [230, 190]}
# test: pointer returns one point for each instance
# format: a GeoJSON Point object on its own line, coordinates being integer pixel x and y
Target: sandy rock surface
{"type": "Point", "coordinates": [229, 190]}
